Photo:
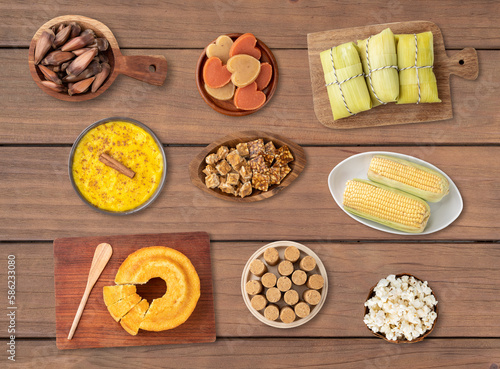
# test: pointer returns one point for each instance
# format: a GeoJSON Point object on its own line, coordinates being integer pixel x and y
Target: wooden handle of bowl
{"type": "Point", "coordinates": [464, 63]}
{"type": "Point", "coordinates": [147, 68]}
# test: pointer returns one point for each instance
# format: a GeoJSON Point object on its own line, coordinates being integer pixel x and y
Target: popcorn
{"type": "Point", "coordinates": [401, 308]}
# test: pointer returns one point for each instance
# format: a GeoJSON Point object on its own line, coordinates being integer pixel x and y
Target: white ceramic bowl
{"type": "Point", "coordinates": [443, 213]}
{"type": "Point", "coordinates": [281, 246]}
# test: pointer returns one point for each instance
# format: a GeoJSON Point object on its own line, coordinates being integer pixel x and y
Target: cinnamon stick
{"type": "Point", "coordinates": [115, 164]}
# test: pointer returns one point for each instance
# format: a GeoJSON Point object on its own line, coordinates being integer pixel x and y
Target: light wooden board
{"type": "Point", "coordinates": [36, 196]}
{"type": "Point", "coordinates": [273, 353]}
{"type": "Point", "coordinates": [178, 115]}
{"type": "Point", "coordinates": [389, 114]}
{"type": "Point", "coordinates": [282, 24]}
{"type": "Point", "coordinates": [463, 275]}
{"type": "Point", "coordinates": [72, 258]}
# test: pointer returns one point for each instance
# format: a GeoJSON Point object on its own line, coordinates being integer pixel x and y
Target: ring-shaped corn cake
{"type": "Point", "coordinates": [183, 285]}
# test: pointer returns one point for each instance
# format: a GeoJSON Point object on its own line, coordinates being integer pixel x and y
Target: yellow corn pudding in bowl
{"type": "Point", "coordinates": [117, 166]}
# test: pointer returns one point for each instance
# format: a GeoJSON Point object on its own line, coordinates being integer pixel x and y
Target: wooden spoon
{"type": "Point", "coordinates": [151, 69]}
{"type": "Point", "coordinates": [102, 255]}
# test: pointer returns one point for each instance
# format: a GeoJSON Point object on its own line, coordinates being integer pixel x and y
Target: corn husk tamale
{"type": "Point", "coordinates": [412, 80]}
{"type": "Point", "coordinates": [384, 83]}
{"type": "Point", "coordinates": [347, 97]}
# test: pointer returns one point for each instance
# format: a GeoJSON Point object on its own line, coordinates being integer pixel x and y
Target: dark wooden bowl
{"type": "Point", "coordinates": [198, 164]}
{"type": "Point", "coordinates": [418, 339]}
{"type": "Point", "coordinates": [151, 69]}
{"type": "Point", "coordinates": [227, 107]}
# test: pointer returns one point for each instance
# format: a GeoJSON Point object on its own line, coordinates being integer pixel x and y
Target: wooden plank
{"type": "Point", "coordinates": [463, 276]}
{"type": "Point", "coordinates": [96, 328]}
{"type": "Point", "coordinates": [284, 24]}
{"type": "Point", "coordinates": [273, 353]}
{"type": "Point", "coordinates": [178, 115]}
{"type": "Point", "coordinates": [36, 197]}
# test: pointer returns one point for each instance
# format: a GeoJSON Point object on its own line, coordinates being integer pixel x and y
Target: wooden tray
{"type": "Point", "coordinates": [151, 69]}
{"type": "Point", "coordinates": [464, 64]}
{"type": "Point", "coordinates": [72, 259]}
{"type": "Point", "coordinates": [198, 164]}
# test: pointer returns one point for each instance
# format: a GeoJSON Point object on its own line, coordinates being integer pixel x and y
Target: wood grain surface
{"type": "Point", "coordinates": [38, 204]}
{"type": "Point", "coordinates": [283, 353]}
{"type": "Point", "coordinates": [283, 24]}
{"type": "Point", "coordinates": [178, 115]}
{"type": "Point", "coordinates": [36, 195]}
{"type": "Point", "coordinates": [463, 275]}
{"type": "Point", "coordinates": [389, 114]}
{"type": "Point", "coordinates": [72, 257]}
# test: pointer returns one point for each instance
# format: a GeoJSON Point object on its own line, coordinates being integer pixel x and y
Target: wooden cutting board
{"type": "Point", "coordinates": [72, 259]}
{"type": "Point", "coordinates": [463, 63]}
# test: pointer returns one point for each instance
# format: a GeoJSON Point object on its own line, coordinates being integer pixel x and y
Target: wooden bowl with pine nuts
{"type": "Point", "coordinates": [150, 69]}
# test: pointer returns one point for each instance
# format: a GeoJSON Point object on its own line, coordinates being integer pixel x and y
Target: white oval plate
{"type": "Point", "coordinates": [281, 246]}
{"type": "Point", "coordinates": [443, 213]}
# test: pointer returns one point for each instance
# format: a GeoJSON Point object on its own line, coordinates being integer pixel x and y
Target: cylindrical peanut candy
{"type": "Point", "coordinates": [315, 281]}
{"type": "Point", "coordinates": [299, 277]}
{"type": "Point", "coordinates": [268, 280]}
{"type": "Point", "coordinates": [285, 268]}
{"type": "Point", "coordinates": [284, 284]}
{"type": "Point", "coordinates": [272, 312]}
{"type": "Point", "coordinates": [257, 268]}
{"type": "Point", "coordinates": [271, 256]}
{"type": "Point", "coordinates": [292, 254]}
{"type": "Point", "coordinates": [253, 287]}
{"type": "Point", "coordinates": [273, 294]}
{"type": "Point", "coordinates": [312, 297]}
{"type": "Point", "coordinates": [302, 309]}
{"type": "Point", "coordinates": [258, 302]}
{"type": "Point", "coordinates": [307, 263]}
{"type": "Point", "coordinates": [287, 315]}
{"type": "Point", "coordinates": [291, 297]}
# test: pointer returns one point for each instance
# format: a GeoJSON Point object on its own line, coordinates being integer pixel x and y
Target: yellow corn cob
{"type": "Point", "coordinates": [385, 205]}
{"type": "Point", "coordinates": [410, 177]}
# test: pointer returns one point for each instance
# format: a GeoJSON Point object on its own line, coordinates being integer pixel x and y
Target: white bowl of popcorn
{"type": "Point", "coordinates": [401, 309]}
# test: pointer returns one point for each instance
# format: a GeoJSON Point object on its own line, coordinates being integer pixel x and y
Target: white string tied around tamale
{"type": "Point", "coordinates": [336, 82]}
{"type": "Point", "coordinates": [370, 71]}
{"type": "Point", "coordinates": [417, 67]}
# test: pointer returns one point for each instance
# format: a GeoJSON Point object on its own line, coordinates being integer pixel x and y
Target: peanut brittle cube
{"type": "Point", "coordinates": [270, 148]}
{"type": "Point", "coordinates": [254, 147]}
{"type": "Point", "coordinates": [284, 171]}
{"type": "Point", "coordinates": [243, 149]}
{"type": "Point", "coordinates": [233, 178]}
{"type": "Point", "coordinates": [211, 159]}
{"type": "Point", "coordinates": [246, 172]}
{"type": "Point", "coordinates": [209, 169]}
{"type": "Point", "coordinates": [227, 188]}
{"type": "Point", "coordinates": [222, 152]}
{"type": "Point", "coordinates": [235, 160]}
{"type": "Point", "coordinates": [212, 181]}
{"type": "Point", "coordinates": [260, 181]}
{"type": "Point", "coordinates": [283, 156]}
{"type": "Point", "coordinates": [274, 175]}
{"type": "Point", "coordinates": [258, 164]}
{"type": "Point", "coordinates": [245, 189]}
{"type": "Point", "coordinates": [268, 158]}
{"type": "Point", "coordinates": [223, 167]}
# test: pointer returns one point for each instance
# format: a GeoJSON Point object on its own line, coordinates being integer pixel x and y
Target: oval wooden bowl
{"type": "Point", "coordinates": [418, 339]}
{"type": "Point", "coordinates": [228, 107]}
{"type": "Point", "coordinates": [151, 69]}
{"type": "Point", "coordinates": [198, 164]}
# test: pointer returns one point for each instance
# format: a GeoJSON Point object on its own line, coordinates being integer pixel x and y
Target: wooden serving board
{"type": "Point", "coordinates": [463, 63]}
{"type": "Point", "coordinates": [72, 259]}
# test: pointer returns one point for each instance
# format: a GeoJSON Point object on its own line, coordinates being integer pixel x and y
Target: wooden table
{"type": "Point", "coordinates": [38, 204]}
